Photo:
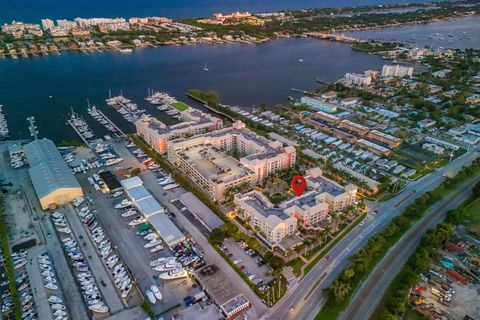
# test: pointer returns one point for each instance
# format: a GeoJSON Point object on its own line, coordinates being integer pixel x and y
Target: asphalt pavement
{"type": "Point", "coordinates": [370, 294]}
{"type": "Point", "coordinates": [306, 296]}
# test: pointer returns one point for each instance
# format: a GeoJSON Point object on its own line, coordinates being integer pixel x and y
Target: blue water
{"type": "Point", "coordinates": [34, 10]}
{"type": "Point", "coordinates": [243, 75]}
{"type": "Point", "coordinates": [456, 34]}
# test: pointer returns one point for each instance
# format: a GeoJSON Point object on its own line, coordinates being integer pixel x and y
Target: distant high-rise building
{"type": "Point", "coordinates": [47, 24]}
{"type": "Point", "coordinates": [396, 71]}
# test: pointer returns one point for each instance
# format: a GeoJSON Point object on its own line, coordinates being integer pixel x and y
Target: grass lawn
{"type": "Point", "coordinates": [472, 219]}
{"type": "Point", "coordinates": [296, 265]}
{"type": "Point", "coordinates": [180, 106]}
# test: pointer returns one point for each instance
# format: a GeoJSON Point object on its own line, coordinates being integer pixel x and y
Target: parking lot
{"type": "Point", "coordinates": [250, 263]}
{"type": "Point", "coordinates": [131, 249]}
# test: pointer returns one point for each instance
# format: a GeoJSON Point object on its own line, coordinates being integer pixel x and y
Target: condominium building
{"type": "Point", "coordinates": [318, 104]}
{"type": "Point", "coordinates": [396, 71]}
{"type": "Point", "coordinates": [357, 79]}
{"type": "Point", "coordinates": [274, 224]}
{"type": "Point", "coordinates": [353, 126]}
{"type": "Point", "coordinates": [330, 192]}
{"type": "Point", "coordinates": [373, 147]}
{"type": "Point", "coordinates": [307, 211]}
{"type": "Point", "coordinates": [387, 139]}
{"type": "Point", "coordinates": [326, 117]}
{"type": "Point", "coordinates": [47, 24]}
{"type": "Point", "coordinates": [228, 157]}
{"type": "Point", "coordinates": [157, 134]}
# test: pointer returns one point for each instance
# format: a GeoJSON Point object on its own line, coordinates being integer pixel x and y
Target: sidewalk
{"type": "Point", "coordinates": [340, 235]}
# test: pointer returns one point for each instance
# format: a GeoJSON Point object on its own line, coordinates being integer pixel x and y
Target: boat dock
{"type": "Point", "coordinates": [105, 121]}
{"type": "Point", "coordinates": [81, 128]}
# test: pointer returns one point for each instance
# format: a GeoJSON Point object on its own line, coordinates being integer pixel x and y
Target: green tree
{"type": "Point", "coordinates": [135, 172]}
{"type": "Point", "coordinates": [340, 290]}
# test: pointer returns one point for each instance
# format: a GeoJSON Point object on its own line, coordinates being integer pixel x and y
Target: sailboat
{"type": "Point", "coordinates": [205, 67]}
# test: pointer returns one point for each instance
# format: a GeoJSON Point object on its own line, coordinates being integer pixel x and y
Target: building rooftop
{"type": "Point", "coordinates": [167, 229]}
{"type": "Point", "coordinates": [191, 117]}
{"type": "Point", "coordinates": [213, 164]}
{"type": "Point", "coordinates": [325, 185]}
{"type": "Point", "coordinates": [131, 182]}
{"type": "Point", "coordinates": [220, 287]}
{"type": "Point", "coordinates": [48, 170]}
{"type": "Point", "coordinates": [260, 204]}
{"type": "Point", "coordinates": [386, 136]}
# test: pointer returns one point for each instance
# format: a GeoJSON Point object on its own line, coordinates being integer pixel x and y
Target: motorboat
{"type": "Point", "coordinates": [152, 243]}
{"type": "Point", "coordinates": [94, 302]}
{"type": "Point", "coordinates": [65, 230]}
{"type": "Point", "coordinates": [125, 283]}
{"type": "Point", "coordinates": [156, 292]}
{"type": "Point", "coordinates": [129, 213]}
{"type": "Point", "coordinates": [57, 306]}
{"type": "Point", "coordinates": [174, 274]}
{"type": "Point", "coordinates": [151, 236]}
{"type": "Point", "coordinates": [168, 266]}
{"type": "Point", "coordinates": [51, 286]}
{"type": "Point", "coordinates": [137, 221]}
{"type": "Point", "coordinates": [126, 291]}
{"type": "Point", "coordinates": [151, 297]}
{"type": "Point", "coordinates": [54, 299]}
{"type": "Point", "coordinates": [118, 194]}
{"type": "Point", "coordinates": [99, 308]}
{"type": "Point", "coordinates": [171, 186]}
{"type": "Point", "coordinates": [118, 268]}
{"type": "Point", "coordinates": [111, 264]}
{"type": "Point", "coordinates": [45, 267]}
{"type": "Point", "coordinates": [19, 264]}
{"type": "Point", "coordinates": [157, 248]}
{"type": "Point", "coordinates": [60, 313]}
{"type": "Point", "coordinates": [111, 162]}
{"type": "Point", "coordinates": [50, 280]}
{"type": "Point", "coordinates": [160, 261]}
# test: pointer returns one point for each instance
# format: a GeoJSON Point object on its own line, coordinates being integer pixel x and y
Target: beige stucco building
{"type": "Point", "coordinates": [228, 157]}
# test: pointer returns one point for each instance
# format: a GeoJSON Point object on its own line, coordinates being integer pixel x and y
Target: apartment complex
{"type": "Point", "coordinates": [274, 224]}
{"type": "Point", "coordinates": [308, 211]}
{"type": "Point", "coordinates": [228, 157]}
{"type": "Point", "coordinates": [357, 79]}
{"type": "Point", "coordinates": [396, 71]}
{"type": "Point", "coordinates": [373, 147]}
{"type": "Point", "coordinates": [353, 126]}
{"type": "Point", "coordinates": [330, 192]}
{"type": "Point", "coordinates": [387, 139]}
{"type": "Point", "coordinates": [330, 118]}
{"type": "Point", "coordinates": [318, 104]}
{"type": "Point", "coordinates": [157, 134]}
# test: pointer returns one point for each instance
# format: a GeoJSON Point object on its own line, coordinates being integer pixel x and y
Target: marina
{"type": "Point", "coordinates": [4, 131]}
{"type": "Point", "coordinates": [126, 108]}
{"type": "Point", "coordinates": [100, 117]}
{"type": "Point", "coordinates": [80, 126]}
{"type": "Point", "coordinates": [164, 103]}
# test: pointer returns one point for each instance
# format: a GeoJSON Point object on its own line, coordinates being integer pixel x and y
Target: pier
{"type": "Point", "coordinates": [69, 121]}
{"type": "Point", "coordinates": [96, 113]}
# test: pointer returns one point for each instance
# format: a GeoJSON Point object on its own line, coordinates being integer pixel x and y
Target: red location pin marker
{"type": "Point", "coordinates": [299, 184]}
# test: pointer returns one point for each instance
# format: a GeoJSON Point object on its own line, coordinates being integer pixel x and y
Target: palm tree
{"type": "Point", "coordinates": [340, 290]}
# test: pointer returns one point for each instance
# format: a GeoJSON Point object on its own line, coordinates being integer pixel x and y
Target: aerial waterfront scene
{"type": "Point", "coordinates": [218, 159]}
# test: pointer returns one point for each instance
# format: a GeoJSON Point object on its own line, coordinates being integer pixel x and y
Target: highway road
{"type": "Point", "coordinates": [306, 295]}
{"type": "Point", "coordinates": [370, 294]}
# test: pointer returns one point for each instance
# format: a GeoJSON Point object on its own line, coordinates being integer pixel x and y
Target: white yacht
{"type": "Point", "coordinates": [174, 274]}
